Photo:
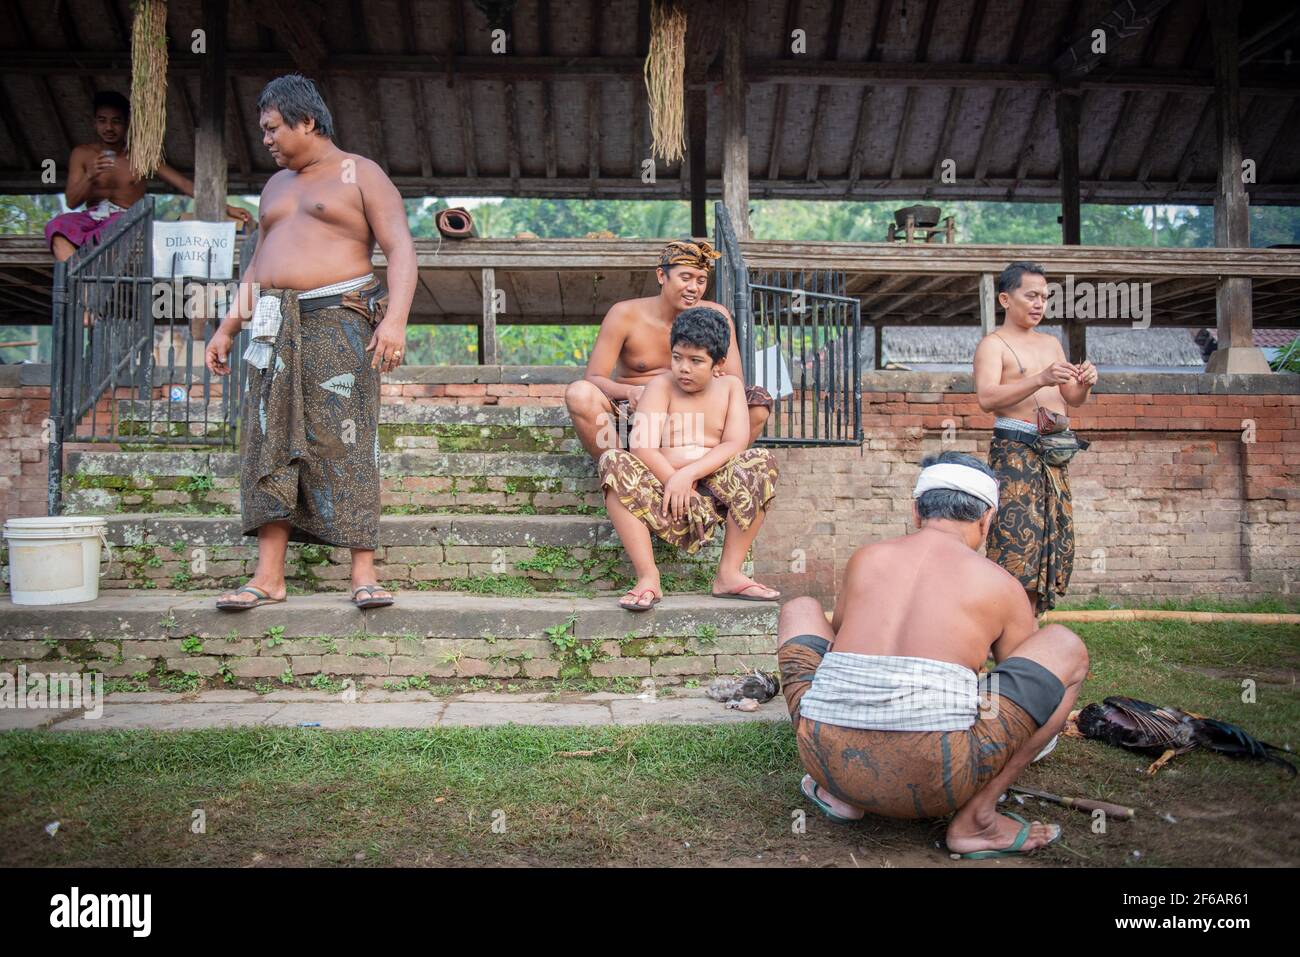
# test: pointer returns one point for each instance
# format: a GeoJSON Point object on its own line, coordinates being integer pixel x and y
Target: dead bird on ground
{"type": "Point", "coordinates": [1140, 726]}
{"type": "Point", "coordinates": [758, 685]}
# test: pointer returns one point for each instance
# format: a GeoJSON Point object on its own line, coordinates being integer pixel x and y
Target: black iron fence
{"type": "Point", "coordinates": [127, 351]}
{"type": "Point", "coordinates": [798, 336]}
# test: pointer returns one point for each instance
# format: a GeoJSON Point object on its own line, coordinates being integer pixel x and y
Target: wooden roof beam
{"type": "Point", "coordinates": [836, 30]}
{"type": "Point", "coordinates": [1128, 18]}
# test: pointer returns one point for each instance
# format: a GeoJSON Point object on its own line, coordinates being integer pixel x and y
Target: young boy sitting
{"type": "Point", "coordinates": [689, 470]}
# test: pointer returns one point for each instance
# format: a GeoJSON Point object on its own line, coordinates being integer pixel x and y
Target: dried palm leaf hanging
{"type": "Point", "coordinates": [665, 68]}
{"type": "Point", "coordinates": [148, 87]}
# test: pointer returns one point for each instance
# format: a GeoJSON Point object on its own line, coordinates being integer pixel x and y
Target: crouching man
{"type": "Point", "coordinates": [890, 714]}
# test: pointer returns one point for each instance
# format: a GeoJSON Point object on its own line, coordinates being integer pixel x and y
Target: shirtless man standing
{"type": "Point", "coordinates": [1019, 370]}
{"type": "Point", "coordinates": [99, 175]}
{"type": "Point", "coordinates": [321, 338]}
{"type": "Point", "coordinates": [889, 714]}
{"type": "Point", "coordinates": [632, 349]}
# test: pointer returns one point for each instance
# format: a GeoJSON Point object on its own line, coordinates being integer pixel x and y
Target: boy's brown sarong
{"type": "Point", "coordinates": [1033, 534]}
{"type": "Point", "coordinates": [743, 486]}
{"type": "Point", "coordinates": [309, 435]}
{"type": "Point", "coordinates": [909, 774]}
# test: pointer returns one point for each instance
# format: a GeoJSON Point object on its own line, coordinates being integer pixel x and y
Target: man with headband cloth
{"type": "Point", "coordinates": [890, 714]}
{"type": "Point", "coordinates": [632, 348]}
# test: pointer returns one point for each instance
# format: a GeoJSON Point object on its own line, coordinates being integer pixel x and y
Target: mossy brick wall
{"type": "Point", "coordinates": [1192, 486]}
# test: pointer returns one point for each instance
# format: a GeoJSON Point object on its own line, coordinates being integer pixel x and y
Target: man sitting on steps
{"type": "Point", "coordinates": [888, 711]}
{"type": "Point", "coordinates": [690, 469]}
{"type": "Point", "coordinates": [632, 349]}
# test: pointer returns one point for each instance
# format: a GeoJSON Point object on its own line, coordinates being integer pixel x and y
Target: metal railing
{"type": "Point", "coordinates": [127, 352]}
{"type": "Point", "coordinates": [798, 336]}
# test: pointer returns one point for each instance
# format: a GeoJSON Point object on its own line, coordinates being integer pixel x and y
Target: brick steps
{"type": "Point", "coordinates": [482, 428]}
{"type": "Point", "coordinates": [414, 480]}
{"type": "Point", "coordinates": [497, 553]}
{"type": "Point", "coordinates": [424, 637]}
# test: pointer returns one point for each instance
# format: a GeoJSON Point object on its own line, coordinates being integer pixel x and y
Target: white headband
{"type": "Point", "coordinates": [959, 478]}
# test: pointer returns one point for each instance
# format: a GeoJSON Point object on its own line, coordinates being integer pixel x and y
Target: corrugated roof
{"type": "Point", "coordinates": [885, 93]}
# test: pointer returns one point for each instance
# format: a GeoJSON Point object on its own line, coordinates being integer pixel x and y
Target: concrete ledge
{"type": "Point", "coordinates": [1122, 383]}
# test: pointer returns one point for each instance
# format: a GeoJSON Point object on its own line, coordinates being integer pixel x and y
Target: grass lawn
{"type": "Point", "coordinates": [649, 795]}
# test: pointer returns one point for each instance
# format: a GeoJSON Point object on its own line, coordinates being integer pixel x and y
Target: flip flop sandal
{"type": "Point", "coordinates": [822, 805]}
{"type": "Point", "coordinates": [738, 596]}
{"type": "Point", "coordinates": [638, 595]}
{"type": "Point", "coordinates": [262, 599]}
{"type": "Point", "coordinates": [371, 601]}
{"type": "Point", "coordinates": [1014, 849]}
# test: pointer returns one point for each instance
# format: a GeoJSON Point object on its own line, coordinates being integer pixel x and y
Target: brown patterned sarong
{"type": "Point", "coordinates": [1033, 534]}
{"type": "Point", "coordinates": [755, 397]}
{"type": "Point", "coordinates": [743, 486]}
{"type": "Point", "coordinates": [309, 434]}
{"type": "Point", "coordinates": [903, 774]}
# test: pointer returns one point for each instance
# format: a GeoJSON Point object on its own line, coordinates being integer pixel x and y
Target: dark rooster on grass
{"type": "Point", "coordinates": [1139, 726]}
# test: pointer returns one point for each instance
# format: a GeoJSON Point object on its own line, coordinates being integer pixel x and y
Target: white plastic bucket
{"type": "Point", "coordinates": [54, 560]}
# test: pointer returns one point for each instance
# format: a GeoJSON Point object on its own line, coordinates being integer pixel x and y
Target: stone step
{"type": "Point", "coordinates": [413, 481]}
{"type": "Point", "coordinates": [449, 428]}
{"type": "Point", "coordinates": [179, 640]}
{"type": "Point", "coordinates": [500, 554]}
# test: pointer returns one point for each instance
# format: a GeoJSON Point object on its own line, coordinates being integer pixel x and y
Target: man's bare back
{"type": "Point", "coordinates": [313, 227]}
{"type": "Point", "coordinates": [929, 595]}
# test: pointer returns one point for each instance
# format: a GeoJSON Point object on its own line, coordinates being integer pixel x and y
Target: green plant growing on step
{"type": "Point", "coordinates": [261, 687]}
{"type": "Point", "coordinates": [286, 676]}
{"type": "Point", "coordinates": [326, 683]}
{"type": "Point", "coordinates": [477, 684]}
{"type": "Point", "coordinates": [181, 579]}
{"type": "Point", "coordinates": [153, 561]}
{"type": "Point", "coordinates": [168, 621]}
{"type": "Point", "coordinates": [196, 483]}
{"type": "Point", "coordinates": [180, 681]}
{"type": "Point", "coordinates": [50, 642]}
{"type": "Point", "coordinates": [706, 634]}
{"type": "Point", "coordinates": [227, 675]}
{"type": "Point", "coordinates": [328, 646]}
{"type": "Point", "coordinates": [692, 682]}
{"type": "Point", "coordinates": [559, 635]}
{"type": "Point", "coordinates": [505, 585]}
{"type": "Point", "coordinates": [451, 659]}
{"type": "Point", "coordinates": [547, 559]}
{"type": "Point", "coordinates": [192, 645]}
{"type": "Point", "coordinates": [132, 685]}
{"type": "Point", "coordinates": [511, 487]}
{"type": "Point", "coordinates": [274, 636]}
{"type": "Point", "coordinates": [232, 635]}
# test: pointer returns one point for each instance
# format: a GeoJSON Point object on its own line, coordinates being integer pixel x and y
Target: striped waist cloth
{"type": "Point", "coordinates": [1018, 425]}
{"type": "Point", "coordinates": [265, 324]}
{"type": "Point", "coordinates": [891, 693]}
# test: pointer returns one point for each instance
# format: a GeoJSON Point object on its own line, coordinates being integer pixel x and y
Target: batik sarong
{"type": "Point", "coordinates": [743, 486]}
{"type": "Point", "coordinates": [1033, 534]}
{"type": "Point", "coordinates": [309, 438]}
{"type": "Point", "coordinates": [916, 774]}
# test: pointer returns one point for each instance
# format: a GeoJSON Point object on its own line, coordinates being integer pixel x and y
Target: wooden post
{"type": "Point", "coordinates": [988, 304]}
{"type": "Point", "coordinates": [487, 330]}
{"type": "Point", "coordinates": [880, 345]}
{"type": "Point", "coordinates": [210, 137]}
{"type": "Point", "coordinates": [735, 135]}
{"type": "Point", "coordinates": [1236, 351]}
{"type": "Point", "coordinates": [1067, 131]}
{"type": "Point", "coordinates": [697, 105]}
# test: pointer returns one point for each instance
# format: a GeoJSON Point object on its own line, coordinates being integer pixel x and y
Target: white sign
{"type": "Point", "coordinates": [203, 250]}
{"type": "Point", "coordinates": [771, 372]}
